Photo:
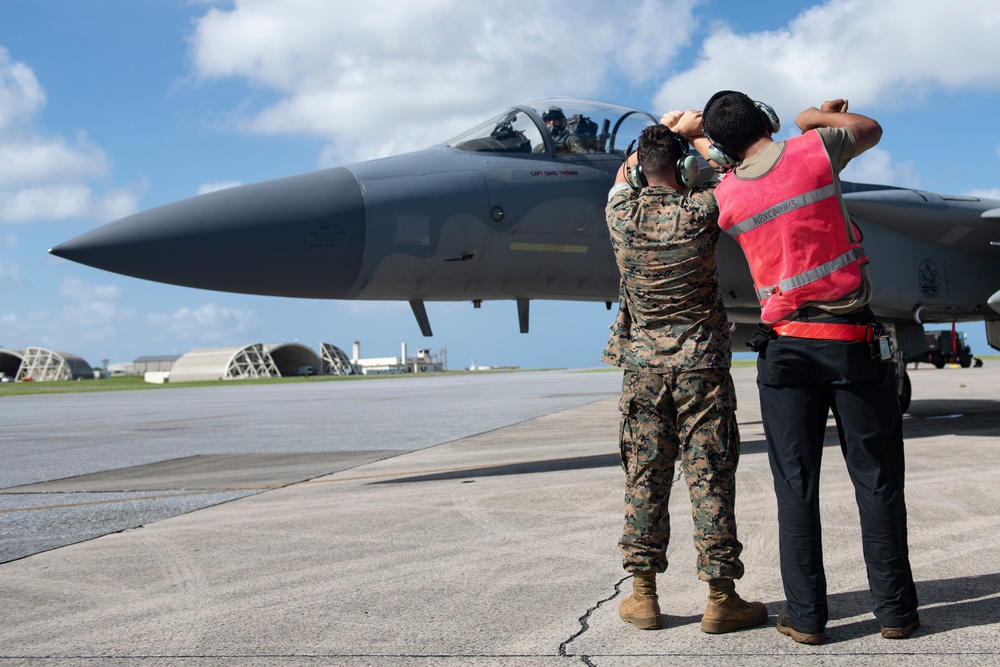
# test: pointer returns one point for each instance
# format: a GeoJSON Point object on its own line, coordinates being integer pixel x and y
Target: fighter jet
{"type": "Point", "coordinates": [513, 209]}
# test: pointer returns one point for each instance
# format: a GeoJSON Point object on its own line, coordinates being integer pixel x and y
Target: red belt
{"type": "Point", "coordinates": [825, 331]}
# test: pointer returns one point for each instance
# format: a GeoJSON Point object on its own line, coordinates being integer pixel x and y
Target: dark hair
{"type": "Point", "coordinates": [733, 121]}
{"type": "Point", "coordinates": [659, 151]}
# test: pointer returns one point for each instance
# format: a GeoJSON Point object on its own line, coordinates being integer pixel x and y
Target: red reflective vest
{"type": "Point", "coordinates": [792, 230]}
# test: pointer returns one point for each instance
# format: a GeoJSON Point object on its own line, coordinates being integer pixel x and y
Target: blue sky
{"type": "Point", "coordinates": [108, 107]}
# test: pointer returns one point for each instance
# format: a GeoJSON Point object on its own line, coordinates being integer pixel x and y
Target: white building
{"type": "Point", "coordinates": [423, 362]}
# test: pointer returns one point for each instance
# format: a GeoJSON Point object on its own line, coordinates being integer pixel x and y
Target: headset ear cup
{"type": "Point", "coordinates": [637, 177]}
{"type": "Point", "coordinates": [770, 117]}
{"type": "Point", "coordinates": [721, 157]}
{"type": "Point", "coordinates": [687, 170]}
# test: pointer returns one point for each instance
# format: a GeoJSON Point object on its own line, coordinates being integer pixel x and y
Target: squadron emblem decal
{"type": "Point", "coordinates": [929, 278]}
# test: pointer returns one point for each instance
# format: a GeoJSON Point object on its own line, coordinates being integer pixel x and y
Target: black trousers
{"type": "Point", "coordinates": [799, 381]}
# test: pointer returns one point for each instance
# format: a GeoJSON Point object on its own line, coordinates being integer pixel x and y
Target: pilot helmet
{"type": "Point", "coordinates": [557, 117]}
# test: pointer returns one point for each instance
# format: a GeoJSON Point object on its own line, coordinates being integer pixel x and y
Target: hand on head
{"type": "Point", "coordinates": [670, 118]}
{"type": "Point", "coordinates": [689, 125]}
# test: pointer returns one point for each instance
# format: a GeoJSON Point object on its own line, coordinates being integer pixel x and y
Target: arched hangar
{"type": "Point", "coordinates": [37, 364]}
{"type": "Point", "coordinates": [10, 362]}
{"type": "Point", "coordinates": [250, 361]}
{"type": "Point", "coordinates": [294, 359]}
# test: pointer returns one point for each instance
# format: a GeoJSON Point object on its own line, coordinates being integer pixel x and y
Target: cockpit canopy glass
{"type": "Point", "coordinates": [513, 131]}
{"type": "Point", "coordinates": [563, 127]}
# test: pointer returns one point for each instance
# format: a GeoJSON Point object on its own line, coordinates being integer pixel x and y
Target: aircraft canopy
{"type": "Point", "coordinates": [576, 127]}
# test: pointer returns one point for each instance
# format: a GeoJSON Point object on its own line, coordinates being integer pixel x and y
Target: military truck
{"type": "Point", "coordinates": [940, 350]}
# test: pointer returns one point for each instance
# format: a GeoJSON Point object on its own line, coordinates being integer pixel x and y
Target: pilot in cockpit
{"type": "Point", "coordinates": [565, 141]}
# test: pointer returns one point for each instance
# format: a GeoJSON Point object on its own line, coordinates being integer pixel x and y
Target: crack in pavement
{"type": "Point", "coordinates": [585, 624]}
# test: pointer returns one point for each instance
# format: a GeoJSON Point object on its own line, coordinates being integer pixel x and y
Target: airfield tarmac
{"type": "Point", "coordinates": [462, 519]}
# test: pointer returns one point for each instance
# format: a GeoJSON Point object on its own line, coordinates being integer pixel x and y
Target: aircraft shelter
{"type": "Point", "coordinates": [259, 361]}
{"type": "Point", "coordinates": [37, 364]}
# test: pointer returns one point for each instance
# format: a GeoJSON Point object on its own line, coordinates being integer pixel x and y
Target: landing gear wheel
{"type": "Point", "coordinates": [905, 391]}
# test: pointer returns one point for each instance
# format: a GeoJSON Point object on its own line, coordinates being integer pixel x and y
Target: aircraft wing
{"type": "Point", "coordinates": [962, 223]}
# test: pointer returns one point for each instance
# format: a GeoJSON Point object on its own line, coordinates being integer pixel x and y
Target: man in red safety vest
{"type": "Point", "coordinates": [821, 347]}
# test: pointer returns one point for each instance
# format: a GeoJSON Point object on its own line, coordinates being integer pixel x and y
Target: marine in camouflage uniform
{"type": "Point", "coordinates": [671, 337]}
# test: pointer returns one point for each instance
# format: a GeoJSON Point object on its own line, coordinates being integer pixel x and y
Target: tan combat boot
{"type": "Point", "coordinates": [727, 611]}
{"type": "Point", "coordinates": [642, 609]}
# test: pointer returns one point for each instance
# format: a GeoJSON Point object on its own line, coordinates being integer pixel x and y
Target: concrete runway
{"type": "Point", "coordinates": [451, 520]}
{"type": "Point", "coordinates": [88, 464]}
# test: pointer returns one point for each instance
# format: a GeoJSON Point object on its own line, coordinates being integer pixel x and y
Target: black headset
{"type": "Point", "coordinates": [721, 155]}
{"type": "Point", "coordinates": [686, 169]}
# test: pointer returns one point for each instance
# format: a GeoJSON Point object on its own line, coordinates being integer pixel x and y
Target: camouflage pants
{"type": "Point", "coordinates": [694, 413]}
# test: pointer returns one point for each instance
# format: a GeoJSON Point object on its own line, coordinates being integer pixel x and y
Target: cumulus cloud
{"type": "Point", "coordinates": [92, 312]}
{"type": "Point", "coordinates": [38, 159]}
{"type": "Point", "coordinates": [92, 305]}
{"type": "Point", "coordinates": [442, 63]}
{"type": "Point", "coordinates": [114, 204]}
{"type": "Point", "coordinates": [876, 166]}
{"type": "Point", "coordinates": [21, 96]}
{"type": "Point", "coordinates": [209, 323]}
{"type": "Point", "coordinates": [886, 54]}
{"type": "Point", "coordinates": [61, 201]}
{"type": "Point", "coordinates": [45, 177]}
{"type": "Point", "coordinates": [52, 202]}
{"type": "Point", "coordinates": [90, 316]}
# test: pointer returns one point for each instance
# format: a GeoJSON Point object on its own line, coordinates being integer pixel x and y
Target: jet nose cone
{"type": "Point", "coordinates": [302, 236]}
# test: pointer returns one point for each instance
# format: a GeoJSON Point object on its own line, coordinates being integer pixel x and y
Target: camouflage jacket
{"type": "Point", "coordinates": [670, 312]}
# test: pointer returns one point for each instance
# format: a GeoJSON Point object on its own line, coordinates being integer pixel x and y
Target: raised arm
{"type": "Point", "coordinates": [690, 127]}
{"type": "Point", "coordinates": [833, 113]}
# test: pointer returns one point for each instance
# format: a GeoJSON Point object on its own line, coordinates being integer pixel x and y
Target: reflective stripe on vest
{"type": "Point", "coordinates": [806, 277]}
{"type": "Point", "coordinates": [783, 207]}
